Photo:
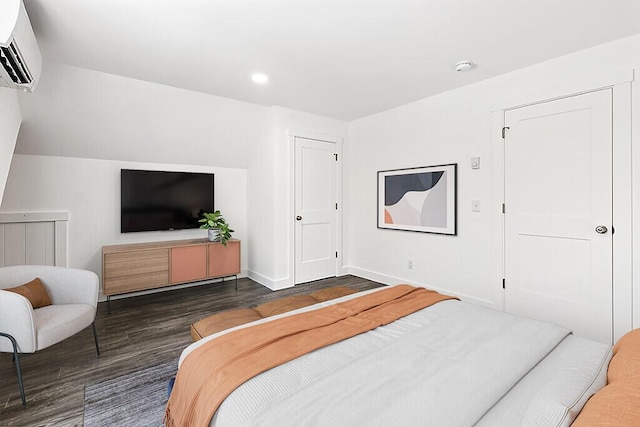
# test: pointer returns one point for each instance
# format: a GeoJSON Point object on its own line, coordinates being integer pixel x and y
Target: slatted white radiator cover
{"type": "Point", "coordinates": [33, 238]}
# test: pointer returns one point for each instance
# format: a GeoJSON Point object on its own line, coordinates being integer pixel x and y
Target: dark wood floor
{"type": "Point", "coordinates": [140, 331]}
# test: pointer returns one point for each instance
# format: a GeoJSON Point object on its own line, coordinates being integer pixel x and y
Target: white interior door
{"type": "Point", "coordinates": [558, 213]}
{"type": "Point", "coordinates": [315, 210]}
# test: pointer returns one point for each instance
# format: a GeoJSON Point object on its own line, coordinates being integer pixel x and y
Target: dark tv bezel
{"type": "Point", "coordinates": [195, 226]}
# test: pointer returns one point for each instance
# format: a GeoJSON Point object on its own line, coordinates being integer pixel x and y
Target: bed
{"type": "Point", "coordinates": [450, 364]}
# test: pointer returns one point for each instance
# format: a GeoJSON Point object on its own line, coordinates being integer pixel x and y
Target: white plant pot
{"type": "Point", "coordinates": [214, 235]}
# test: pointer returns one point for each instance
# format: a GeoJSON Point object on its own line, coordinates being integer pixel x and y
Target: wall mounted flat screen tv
{"type": "Point", "coordinates": [157, 200]}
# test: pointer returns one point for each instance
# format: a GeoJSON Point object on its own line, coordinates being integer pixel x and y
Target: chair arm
{"type": "Point", "coordinates": [16, 319]}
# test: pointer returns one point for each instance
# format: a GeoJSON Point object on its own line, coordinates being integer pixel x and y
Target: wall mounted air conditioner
{"type": "Point", "coordinates": [20, 60]}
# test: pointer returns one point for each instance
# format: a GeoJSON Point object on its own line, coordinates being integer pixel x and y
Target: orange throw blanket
{"type": "Point", "coordinates": [211, 372]}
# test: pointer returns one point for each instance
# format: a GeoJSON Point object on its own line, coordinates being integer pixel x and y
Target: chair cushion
{"type": "Point", "coordinates": [55, 323]}
{"type": "Point", "coordinates": [34, 291]}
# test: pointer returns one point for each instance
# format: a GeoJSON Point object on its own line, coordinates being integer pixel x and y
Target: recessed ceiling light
{"type": "Point", "coordinates": [259, 78]}
{"type": "Point", "coordinates": [465, 65]}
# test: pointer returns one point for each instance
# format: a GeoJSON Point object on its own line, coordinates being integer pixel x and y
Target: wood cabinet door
{"type": "Point", "coordinates": [134, 271]}
{"type": "Point", "coordinates": [224, 260]}
{"type": "Point", "coordinates": [188, 263]}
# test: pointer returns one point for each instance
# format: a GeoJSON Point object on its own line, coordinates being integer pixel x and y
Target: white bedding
{"type": "Point", "coordinates": [556, 389]}
{"type": "Point", "coordinates": [446, 365]}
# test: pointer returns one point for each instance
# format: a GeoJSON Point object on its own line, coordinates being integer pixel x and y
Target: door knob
{"type": "Point", "coordinates": [298, 218]}
{"type": "Point", "coordinates": [601, 229]}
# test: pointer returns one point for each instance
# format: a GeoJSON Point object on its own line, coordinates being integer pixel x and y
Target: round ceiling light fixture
{"type": "Point", "coordinates": [259, 78]}
{"type": "Point", "coordinates": [464, 66]}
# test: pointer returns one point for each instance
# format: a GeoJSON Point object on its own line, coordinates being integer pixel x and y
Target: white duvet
{"type": "Point", "coordinates": [446, 365]}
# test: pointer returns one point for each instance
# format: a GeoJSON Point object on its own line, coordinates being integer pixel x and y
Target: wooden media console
{"type": "Point", "coordinates": [142, 266]}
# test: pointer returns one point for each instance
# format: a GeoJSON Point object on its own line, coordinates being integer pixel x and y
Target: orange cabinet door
{"type": "Point", "coordinates": [188, 263]}
{"type": "Point", "coordinates": [224, 261]}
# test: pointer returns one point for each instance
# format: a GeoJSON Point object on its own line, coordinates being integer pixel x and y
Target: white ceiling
{"type": "Point", "coordinates": [339, 58]}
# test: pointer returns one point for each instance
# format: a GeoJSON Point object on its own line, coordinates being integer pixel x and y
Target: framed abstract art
{"type": "Point", "coordinates": [418, 199]}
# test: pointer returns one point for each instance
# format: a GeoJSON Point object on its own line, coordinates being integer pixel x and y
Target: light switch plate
{"type": "Point", "coordinates": [475, 206]}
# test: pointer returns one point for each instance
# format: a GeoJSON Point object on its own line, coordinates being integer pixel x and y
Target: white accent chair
{"type": "Point", "coordinates": [74, 299]}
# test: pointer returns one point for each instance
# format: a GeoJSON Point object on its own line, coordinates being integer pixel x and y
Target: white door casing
{"type": "Point", "coordinates": [315, 210]}
{"type": "Point", "coordinates": [558, 189]}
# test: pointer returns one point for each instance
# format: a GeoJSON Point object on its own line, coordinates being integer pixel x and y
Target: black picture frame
{"type": "Point", "coordinates": [421, 199]}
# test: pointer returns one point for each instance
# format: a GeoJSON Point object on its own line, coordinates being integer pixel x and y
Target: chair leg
{"type": "Point", "coordinates": [95, 338]}
{"type": "Point", "coordinates": [16, 359]}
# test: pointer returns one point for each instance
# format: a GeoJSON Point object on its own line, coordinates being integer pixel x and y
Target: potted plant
{"type": "Point", "coordinates": [218, 227]}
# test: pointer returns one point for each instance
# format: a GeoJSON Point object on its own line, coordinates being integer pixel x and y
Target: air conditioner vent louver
{"type": "Point", "coordinates": [11, 62]}
{"type": "Point", "coordinates": [20, 59]}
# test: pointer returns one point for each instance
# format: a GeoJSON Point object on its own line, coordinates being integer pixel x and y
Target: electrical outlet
{"type": "Point", "coordinates": [410, 264]}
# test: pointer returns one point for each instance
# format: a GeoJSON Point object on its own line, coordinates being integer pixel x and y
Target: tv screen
{"type": "Point", "coordinates": [157, 200]}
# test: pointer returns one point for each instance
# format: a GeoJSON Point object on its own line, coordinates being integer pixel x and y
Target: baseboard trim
{"type": "Point", "coordinates": [274, 285]}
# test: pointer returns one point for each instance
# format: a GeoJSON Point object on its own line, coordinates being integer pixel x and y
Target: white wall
{"type": "Point", "coordinates": [89, 190]}
{"type": "Point", "coordinates": [77, 112]}
{"type": "Point", "coordinates": [271, 193]}
{"type": "Point", "coordinates": [10, 119]}
{"type": "Point", "coordinates": [451, 128]}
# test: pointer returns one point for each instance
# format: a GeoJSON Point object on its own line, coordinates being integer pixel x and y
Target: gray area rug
{"type": "Point", "coordinates": [135, 399]}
